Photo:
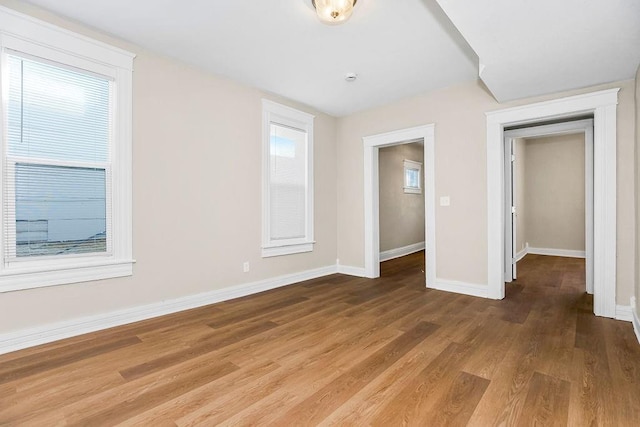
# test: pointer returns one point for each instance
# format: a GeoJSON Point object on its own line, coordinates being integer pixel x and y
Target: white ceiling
{"type": "Point", "coordinates": [398, 48]}
{"type": "Point", "coordinates": [528, 48]}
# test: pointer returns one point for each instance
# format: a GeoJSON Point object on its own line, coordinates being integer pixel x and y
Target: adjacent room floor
{"type": "Point", "coordinates": [347, 351]}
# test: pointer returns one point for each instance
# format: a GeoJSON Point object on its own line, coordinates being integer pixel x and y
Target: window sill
{"type": "Point", "coordinates": [272, 251]}
{"type": "Point", "coordinates": [38, 278]}
{"type": "Point", "coordinates": [412, 190]}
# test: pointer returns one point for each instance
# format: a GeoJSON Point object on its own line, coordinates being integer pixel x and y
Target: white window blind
{"type": "Point", "coordinates": [287, 181]}
{"type": "Point", "coordinates": [57, 161]}
{"type": "Point", "coordinates": [287, 215]}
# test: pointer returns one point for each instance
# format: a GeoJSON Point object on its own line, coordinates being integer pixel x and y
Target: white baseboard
{"type": "Point", "coordinates": [461, 288]}
{"type": "Point", "coordinates": [399, 252]}
{"type": "Point", "coordinates": [18, 340]}
{"type": "Point", "coordinates": [635, 319]}
{"type": "Point", "coordinates": [624, 312]}
{"type": "Point", "coordinates": [522, 253]}
{"type": "Point", "coordinates": [351, 271]}
{"type": "Point", "coordinates": [557, 252]}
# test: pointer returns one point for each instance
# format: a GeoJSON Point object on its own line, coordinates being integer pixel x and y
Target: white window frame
{"type": "Point", "coordinates": [32, 37]}
{"type": "Point", "coordinates": [411, 165]}
{"type": "Point", "coordinates": [274, 113]}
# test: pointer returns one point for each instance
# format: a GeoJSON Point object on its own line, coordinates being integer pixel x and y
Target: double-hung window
{"type": "Point", "coordinates": [66, 156]}
{"type": "Point", "coordinates": [287, 219]}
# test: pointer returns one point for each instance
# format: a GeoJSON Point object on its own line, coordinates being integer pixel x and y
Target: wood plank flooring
{"type": "Point", "coordinates": [346, 351]}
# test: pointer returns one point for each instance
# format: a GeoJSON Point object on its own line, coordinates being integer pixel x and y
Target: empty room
{"type": "Point", "coordinates": [319, 212]}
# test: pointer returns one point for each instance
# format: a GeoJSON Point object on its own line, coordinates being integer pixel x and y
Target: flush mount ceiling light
{"type": "Point", "coordinates": [334, 11]}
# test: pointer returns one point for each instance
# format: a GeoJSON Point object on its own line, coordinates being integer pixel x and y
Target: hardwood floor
{"type": "Point", "coordinates": [346, 351]}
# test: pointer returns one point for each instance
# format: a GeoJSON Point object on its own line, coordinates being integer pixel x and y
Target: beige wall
{"type": "Point", "coordinates": [197, 217]}
{"type": "Point", "coordinates": [520, 167]}
{"type": "Point", "coordinates": [401, 214]}
{"type": "Point", "coordinates": [554, 191]}
{"type": "Point", "coordinates": [458, 113]}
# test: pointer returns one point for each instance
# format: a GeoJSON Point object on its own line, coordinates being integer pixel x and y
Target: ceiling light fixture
{"type": "Point", "coordinates": [334, 11]}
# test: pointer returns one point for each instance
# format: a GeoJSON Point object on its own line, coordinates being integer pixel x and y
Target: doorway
{"type": "Point", "coordinates": [372, 144]}
{"type": "Point", "coordinates": [602, 105]}
{"type": "Point", "coordinates": [513, 212]}
{"type": "Point", "coordinates": [401, 204]}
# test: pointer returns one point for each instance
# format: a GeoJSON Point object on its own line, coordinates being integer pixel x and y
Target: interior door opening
{"type": "Point", "coordinates": [401, 205]}
{"type": "Point", "coordinates": [602, 105]}
{"type": "Point", "coordinates": [560, 239]}
{"type": "Point", "coordinates": [372, 145]}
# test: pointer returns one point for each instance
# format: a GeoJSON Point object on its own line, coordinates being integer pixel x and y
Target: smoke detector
{"type": "Point", "coordinates": [350, 77]}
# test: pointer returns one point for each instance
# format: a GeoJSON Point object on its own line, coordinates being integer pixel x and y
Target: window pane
{"type": "Point", "coordinates": [412, 178]}
{"type": "Point", "coordinates": [287, 178]}
{"type": "Point", "coordinates": [59, 210]}
{"type": "Point", "coordinates": [56, 113]}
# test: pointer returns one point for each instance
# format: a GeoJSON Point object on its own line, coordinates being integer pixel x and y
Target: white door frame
{"type": "Point", "coordinates": [510, 213]}
{"type": "Point", "coordinates": [372, 196]}
{"type": "Point", "coordinates": [603, 106]}
{"type": "Point", "coordinates": [564, 128]}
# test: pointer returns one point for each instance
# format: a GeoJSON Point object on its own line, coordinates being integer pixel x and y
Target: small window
{"type": "Point", "coordinates": [412, 174]}
{"type": "Point", "coordinates": [287, 177]}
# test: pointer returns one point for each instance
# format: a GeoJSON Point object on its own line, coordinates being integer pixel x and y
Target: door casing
{"type": "Point", "coordinates": [372, 144]}
{"type": "Point", "coordinates": [603, 106]}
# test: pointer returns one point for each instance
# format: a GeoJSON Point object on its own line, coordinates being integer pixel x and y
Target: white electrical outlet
{"type": "Point", "coordinates": [445, 201]}
{"type": "Point", "coordinates": [245, 267]}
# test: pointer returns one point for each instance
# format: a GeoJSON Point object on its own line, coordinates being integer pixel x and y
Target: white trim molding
{"type": "Point", "coordinates": [635, 319]}
{"type": "Point", "coordinates": [567, 253]}
{"type": "Point", "coordinates": [19, 25]}
{"type": "Point", "coordinates": [400, 252]}
{"type": "Point", "coordinates": [72, 274]}
{"type": "Point", "coordinates": [30, 37]}
{"type": "Point", "coordinates": [351, 271]}
{"type": "Point", "coordinates": [523, 253]}
{"type": "Point", "coordinates": [471, 289]}
{"type": "Point", "coordinates": [624, 312]}
{"type": "Point", "coordinates": [286, 117]}
{"type": "Point", "coordinates": [25, 338]}
{"type": "Point", "coordinates": [271, 251]}
{"type": "Point", "coordinates": [372, 144]}
{"type": "Point", "coordinates": [602, 105]}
